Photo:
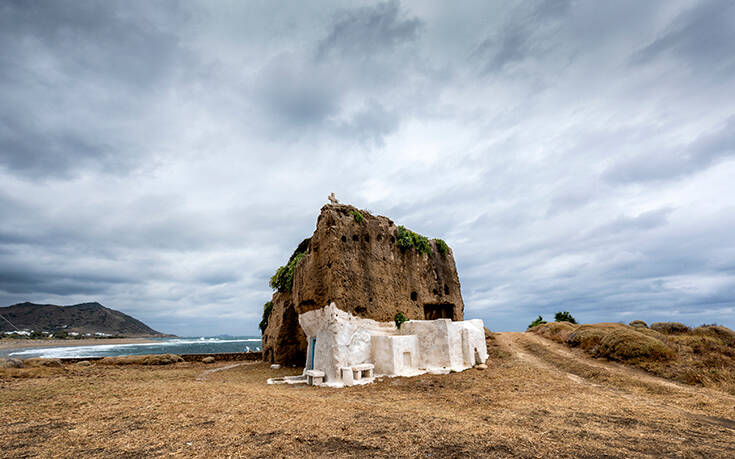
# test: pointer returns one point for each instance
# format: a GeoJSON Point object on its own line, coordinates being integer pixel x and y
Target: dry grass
{"type": "Point", "coordinates": [512, 409]}
{"type": "Point", "coordinates": [701, 356]}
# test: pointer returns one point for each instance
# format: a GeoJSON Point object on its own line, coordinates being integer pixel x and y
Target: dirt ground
{"type": "Point", "coordinates": [536, 399]}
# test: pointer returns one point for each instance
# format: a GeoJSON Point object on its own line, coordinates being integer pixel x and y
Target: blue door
{"type": "Point", "coordinates": [313, 349]}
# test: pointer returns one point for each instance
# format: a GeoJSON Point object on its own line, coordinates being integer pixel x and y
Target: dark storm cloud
{"type": "Point", "coordinates": [701, 36]}
{"type": "Point", "coordinates": [65, 65]}
{"type": "Point", "coordinates": [522, 36]}
{"type": "Point", "coordinates": [670, 163]}
{"type": "Point", "coordinates": [363, 32]}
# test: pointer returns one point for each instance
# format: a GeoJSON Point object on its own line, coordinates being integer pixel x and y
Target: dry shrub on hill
{"type": "Point", "coordinates": [555, 331]}
{"type": "Point", "coordinates": [704, 355]}
{"type": "Point", "coordinates": [669, 327]}
{"type": "Point", "coordinates": [623, 344]}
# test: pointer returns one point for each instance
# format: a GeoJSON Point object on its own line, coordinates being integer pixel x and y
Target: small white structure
{"type": "Point", "coordinates": [344, 350]}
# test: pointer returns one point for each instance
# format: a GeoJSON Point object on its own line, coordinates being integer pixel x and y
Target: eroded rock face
{"type": "Point", "coordinates": [358, 266]}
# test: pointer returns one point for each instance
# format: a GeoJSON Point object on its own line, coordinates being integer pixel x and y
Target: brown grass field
{"type": "Point", "coordinates": [703, 356]}
{"type": "Point", "coordinates": [538, 398]}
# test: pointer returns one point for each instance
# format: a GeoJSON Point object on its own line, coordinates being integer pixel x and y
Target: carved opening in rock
{"type": "Point", "coordinates": [414, 296]}
{"type": "Point", "coordinates": [380, 237]}
{"type": "Point", "coordinates": [446, 289]}
{"type": "Point", "coordinates": [307, 305]}
{"type": "Point", "coordinates": [344, 239]}
{"type": "Point", "coordinates": [360, 310]}
{"type": "Point", "coordinates": [355, 238]}
{"type": "Point", "coordinates": [290, 336]}
{"type": "Point", "coordinates": [436, 292]}
{"type": "Point", "coordinates": [392, 240]}
{"type": "Point", "coordinates": [434, 311]}
{"type": "Point", "coordinates": [367, 238]}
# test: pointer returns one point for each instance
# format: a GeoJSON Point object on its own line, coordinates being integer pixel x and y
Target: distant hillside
{"type": "Point", "coordinates": [79, 318]}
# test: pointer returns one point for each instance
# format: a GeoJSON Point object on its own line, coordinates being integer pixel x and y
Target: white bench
{"type": "Point", "coordinates": [314, 377]}
{"type": "Point", "coordinates": [364, 370]}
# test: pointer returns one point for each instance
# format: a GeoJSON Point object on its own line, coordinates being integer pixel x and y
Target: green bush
{"type": "Point", "coordinates": [399, 319]}
{"type": "Point", "coordinates": [282, 280]}
{"type": "Point", "coordinates": [442, 247]}
{"type": "Point", "coordinates": [404, 240]}
{"type": "Point", "coordinates": [267, 309]}
{"type": "Point", "coordinates": [358, 216]}
{"type": "Point", "coordinates": [564, 317]}
{"type": "Point", "coordinates": [407, 239]}
{"type": "Point", "coordinates": [539, 321]}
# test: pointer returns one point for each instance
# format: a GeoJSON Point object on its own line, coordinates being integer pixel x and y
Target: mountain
{"type": "Point", "coordinates": [79, 318]}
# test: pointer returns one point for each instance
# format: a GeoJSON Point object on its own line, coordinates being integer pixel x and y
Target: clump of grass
{"type": "Point", "coordinates": [624, 344]}
{"type": "Point", "coordinates": [638, 323]}
{"type": "Point", "coordinates": [357, 216]}
{"type": "Point", "coordinates": [406, 239]}
{"type": "Point", "coordinates": [267, 309]}
{"type": "Point", "coordinates": [442, 247]}
{"type": "Point", "coordinates": [669, 327]}
{"type": "Point", "coordinates": [555, 331]}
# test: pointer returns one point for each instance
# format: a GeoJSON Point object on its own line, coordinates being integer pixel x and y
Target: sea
{"type": "Point", "coordinates": [190, 345]}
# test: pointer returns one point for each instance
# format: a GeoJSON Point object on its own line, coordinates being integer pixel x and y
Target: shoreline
{"type": "Point", "coordinates": [14, 344]}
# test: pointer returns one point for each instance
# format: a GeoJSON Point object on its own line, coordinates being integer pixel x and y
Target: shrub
{"type": "Point", "coordinates": [406, 239]}
{"type": "Point", "coordinates": [267, 309]}
{"type": "Point", "coordinates": [399, 319]}
{"type": "Point", "coordinates": [539, 321]}
{"type": "Point", "coordinates": [669, 328]}
{"type": "Point", "coordinates": [358, 216]}
{"type": "Point", "coordinates": [282, 280]}
{"type": "Point", "coordinates": [442, 247]}
{"type": "Point", "coordinates": [624, 344]}
{"type": "Point", "coordinates": [564, 317]}
{"type": "Point", "coordinates": [638, 324]}
{"type": "Point", "coordinates": [556, 331]}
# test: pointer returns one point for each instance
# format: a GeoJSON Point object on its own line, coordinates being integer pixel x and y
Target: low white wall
{"type": "Point", "coordinates": [389, 355]}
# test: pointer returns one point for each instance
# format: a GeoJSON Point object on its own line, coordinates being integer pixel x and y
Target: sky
{"type": "Point", "coordinates": [165, 157]}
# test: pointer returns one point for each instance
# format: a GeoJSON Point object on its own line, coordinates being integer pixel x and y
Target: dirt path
{"type": "Point", "coordinates": [604, 376]}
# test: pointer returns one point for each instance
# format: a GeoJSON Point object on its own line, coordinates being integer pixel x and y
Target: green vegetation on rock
{"type": "Point", "coordinates": [442, 247]}
{"type": "Point", "coordinates": [282, 280]}
{"type": "Point", "coordinates": [407, 239]}
{"type": "Point", "coordinates": [358, 216]}
{"type": "Point", "coordinates": [267, 309]}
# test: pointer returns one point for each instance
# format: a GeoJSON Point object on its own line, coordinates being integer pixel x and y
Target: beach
{"type": "Point", "coordinates": [535, 399]}
{"type": "Point", "coordinates": [10, 344]}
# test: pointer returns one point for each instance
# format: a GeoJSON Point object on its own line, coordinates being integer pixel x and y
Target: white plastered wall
{"type": "Point", "coordinates": [343, 340]}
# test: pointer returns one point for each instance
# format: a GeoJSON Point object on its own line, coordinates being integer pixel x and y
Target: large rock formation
{"type": "Point", "coordinates": [355, 259]}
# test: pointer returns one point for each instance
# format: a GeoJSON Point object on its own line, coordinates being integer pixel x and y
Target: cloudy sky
{"type": "Point", "coordinates": [164, 158]}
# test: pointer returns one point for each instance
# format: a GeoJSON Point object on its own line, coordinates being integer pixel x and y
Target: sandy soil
{"type": "Point", "coordinates": [536, 399]}
{"type": "Point", "coordinates": [27, 343]}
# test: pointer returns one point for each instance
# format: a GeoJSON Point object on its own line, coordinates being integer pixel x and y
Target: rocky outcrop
{"type": "Point", "coordinates": [360, 262]}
